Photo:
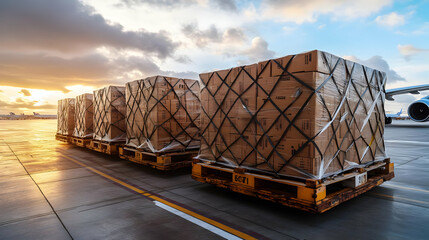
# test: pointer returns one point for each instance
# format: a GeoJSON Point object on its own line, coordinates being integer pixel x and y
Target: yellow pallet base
{"type": "Point", "coordinates": [104, 147]}
{"type": "Point", "coordinates": [164, 161]}
{"type": "Point", "coordinates": [63, 138]}
{"type": "Point", "coordinates": [81, 142]}
{"type": "Point", "coordinates": [315, 196]}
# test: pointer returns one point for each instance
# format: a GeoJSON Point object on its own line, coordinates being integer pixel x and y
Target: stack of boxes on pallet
{"type": "Point", "coordinates": [66, 117]}
{"type": "Point", "coordinates": [310, 115]}
{"type": "Point", "coordinates": [84, 114]}
{"type": "Point", "coordinates": [275, 129]}
{"type": "Point", "coordinates": [156, 115]}
{"type": "Point", "coordinates": [163, 114]}
{"type": "Point", "coordinates": [109, 114]}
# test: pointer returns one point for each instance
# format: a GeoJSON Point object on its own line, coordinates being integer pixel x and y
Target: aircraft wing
{"type": "Point", "coordinates": [413, 90]}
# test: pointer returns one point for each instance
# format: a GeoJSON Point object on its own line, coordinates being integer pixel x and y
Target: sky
{"type": "Point", "coordinates": [51, 50]}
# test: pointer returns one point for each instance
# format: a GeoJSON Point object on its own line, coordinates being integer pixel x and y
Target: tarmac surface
{"type": "Point", "coordinates": [53, 190]}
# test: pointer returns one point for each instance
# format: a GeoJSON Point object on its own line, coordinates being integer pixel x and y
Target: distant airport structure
{"type": "Point", "coordinates": [22, 116]}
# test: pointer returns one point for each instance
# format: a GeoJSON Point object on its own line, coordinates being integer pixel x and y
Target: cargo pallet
{"type": "Point", "coordinates": [315, 196]}
{"type": "Point", "coordinates": [110, 148]}
{"type": "Point", "coordinates": [81, 142]}
{"type": "Point", "coordinates": [160, 161]}
{"type": "Point", "coordinates": [63, 138]}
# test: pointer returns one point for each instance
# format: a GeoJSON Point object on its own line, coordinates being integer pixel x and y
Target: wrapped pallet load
{"type": "Point", "coordinates": [109, 114]}
{"type": "Point", "coordinates": [66, 113]}
{"type": "Point", "coordinates": [84, 114]}
{"type": "Point", "coordinates": [307, 116]}
{"type": "Point", "coordinates": [163, 114]}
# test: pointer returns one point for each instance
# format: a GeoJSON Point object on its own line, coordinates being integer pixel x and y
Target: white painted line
{"type": "Point", "coordinates": [200, 223]}
{"type": "Point", "coordinates": [408, 142]}
{"type": "Point", "coordinates": [405, 187]}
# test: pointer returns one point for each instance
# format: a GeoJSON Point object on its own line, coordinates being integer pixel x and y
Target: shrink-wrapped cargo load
{"type": "Point", "coordinates": [109, 114]}
{"type": "Point", "coordinates": [84, 115]}
{"type": "Point", "coordinates": [163, 114]}
{"type": "Point", "coordinates": [310, 115]}
{"type": "Point", "coordinates": [66, 112]}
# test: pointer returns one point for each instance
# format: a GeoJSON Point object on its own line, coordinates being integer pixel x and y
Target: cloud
{"type": "Point", "coordinates": [160, 3]}
{"type": "Point", "coordinates": [25, 92]}
{"type": "Point", "coordinates": [379, 63]}
{"type": "Point", "coordinates": [23, 104]}
{"type": "Point", "coordinates": [228, 5]}
{"type": "Point", "coordinates": [234, 35]}
{"type": "Point", "coordinates": [407, 51]}
{"type": "Point", "coordinates": [390, 20]}
{"type": "Point", "coordinates": [310, 10]}
{"type": "Point", "coordinates": [202, 38]}
{"type": "Point", "coordinates": [69, 26]}
{"type": "Point", "coordinates": [41, 71]}
{"type": "Point", "coordinates": [258, 51]}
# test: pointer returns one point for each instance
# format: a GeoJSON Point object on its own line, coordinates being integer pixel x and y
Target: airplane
{"type": "Point", "coordinates": [391, 116]}
{"type": "Point", "coordinates": [37, 115]}
{"type": "Point", "coordinates": [418, 111]}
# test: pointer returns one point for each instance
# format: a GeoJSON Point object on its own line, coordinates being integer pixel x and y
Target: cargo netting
{"type": "Point", "coordinates": [311, 116]}
{"type": "Point", "coordinates": [163, 114]}
{"type": "Point", "coordinates": [84, 114]}
{"type": "Point", "coordinates": [66, 112]}
{"type": "Point", "coordinates": [109, 114]}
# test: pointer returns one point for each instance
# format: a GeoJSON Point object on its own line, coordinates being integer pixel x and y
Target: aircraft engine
{"type": "Point", "coordinates": [419, 110]}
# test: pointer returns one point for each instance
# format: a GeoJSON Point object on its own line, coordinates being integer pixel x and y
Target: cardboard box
{"type": "Point", "coordinates": [66, 113]}
{"type": "Point", "coordinates": [305, 115]}
{"type": "Point", "coordinates": [163, 114]}
{"type": "Point", "coordinates": [84, 114]}
{"type": "Point", "coordinates": [109, 114]}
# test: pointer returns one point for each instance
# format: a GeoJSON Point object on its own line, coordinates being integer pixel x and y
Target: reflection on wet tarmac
{"type": "Point", "coordinates": [93, 207]}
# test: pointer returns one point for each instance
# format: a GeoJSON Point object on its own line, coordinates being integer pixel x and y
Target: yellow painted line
{"type": "Point", "coordinates": [187, 211]}
{"type": "Point", "coordinates": [408, 188]}
{"type": "Point", "coordinates": [400, 198]}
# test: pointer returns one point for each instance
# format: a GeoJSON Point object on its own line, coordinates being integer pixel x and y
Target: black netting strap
{"type": "Point", "coordinates": [145, 96]}
{"type": "Point", "coordinates": [104, 106]}
{"type": "Point", "coordinates": [336, 115]}
{"type": "Point", "coordinates": [82, 111]}
{"type": "Point", "coordinates": [66, 110]}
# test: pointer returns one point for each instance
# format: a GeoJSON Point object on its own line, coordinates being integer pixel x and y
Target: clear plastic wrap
{"type": "Point", "coordinates": [109, 114]}
{"type": "Point", "coordinates": [163, 114]}
{"type": "Point", "coordinates": [311, 115]}
{"type": "Point", "coordinates": [66, 112]}
{"type": "Point", "coordinates": [84, 114]}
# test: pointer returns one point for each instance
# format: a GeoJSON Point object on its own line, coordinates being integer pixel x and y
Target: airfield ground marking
{"type": "Point", "coordinates": [219, 225]}
{"type": "Point", "coordinates": [399, 198]}
{"type": "Point", "coordinates": [407, 188]}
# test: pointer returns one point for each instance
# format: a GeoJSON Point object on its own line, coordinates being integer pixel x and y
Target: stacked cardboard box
{"type": "Point", "coordinates": [84, 115]}
{"type": "Point", "coordinates": [163, 114]}
{"type": "Point", "coordinates": [309, 115]}
{"type": "Point", "coordinates": [109, 114]}
{"type": "Point", "coordinates": [66, 112]}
